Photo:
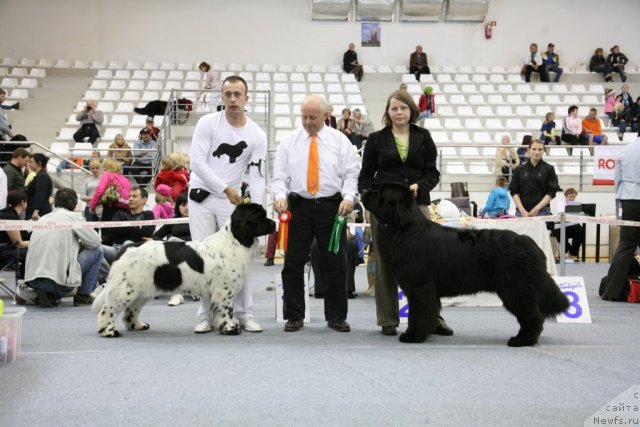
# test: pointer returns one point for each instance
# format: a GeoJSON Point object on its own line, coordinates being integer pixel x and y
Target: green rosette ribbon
{"type": "Point", "coordinates": [336, 233]}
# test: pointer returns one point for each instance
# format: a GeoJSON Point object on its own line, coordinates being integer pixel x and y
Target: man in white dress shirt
{"type": "Point", "coordinates": [314, 207]}
{"type": "Point", "coordinates": [224, 144]}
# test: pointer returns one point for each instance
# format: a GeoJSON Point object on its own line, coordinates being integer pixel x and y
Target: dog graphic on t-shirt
{"type": "Point", "coordinates": [233, 151]}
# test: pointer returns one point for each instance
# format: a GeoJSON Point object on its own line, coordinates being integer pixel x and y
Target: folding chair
{"type": "Point", "coordinates": [11, 257]}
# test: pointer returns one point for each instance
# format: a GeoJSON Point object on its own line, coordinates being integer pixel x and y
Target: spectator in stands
{"type": "Point", "coordinates": [211, 78]}
{"type": "Point", "coordinates": [498, 201]}
{"type": "Point", "coordinates": [548, 130]}
{"type": "Point", "coordinates": [330, 119]}
{"type": "Point", "coordinates": [14, 242]}
{"type": "Point", "coordinates": [634, 116]}
{"type": "Point", "coordinates": [616, 62]}
{"type": "Point", "coordinates": [121, 151]}
{"type": "Point", "coordinates": [573, 231]}
{"type": "Point", "coordinates": [362, 127]}
{"type": "Point", "coordinates": [177, 233]}
{"type": "Point", "coordinates": [627, 177]}
{"type": "Point", "coordinates": [418, 63]}
{"type": "Point", "coordinates": [506, 158]}
{"type": "Point", "coordinates": [609, 102]}
{"type": "Point", "coordinates": [598, 64]}
{"type": "Point", "coordinates": [403, 86]}
{"type": "Point", "coordinates": [89, 186]}
{"type": "Point", "coordinates": [39, 189]}
{"type": "Point", "coordinates": [350, 62]}
{"type": "Point", "coordinates": [76, 256]}
{"type": "Point", "coordinates": [173, 173]}
{"type": "Point", "coordinates": [118, 200]}
{"type": "Point", "coordinates": [5, 129]}
{"type": "Point", "coordinates": [523, 150]}
{"type": "Point", "coordinates": [592, 130]}
{"type": "Point", "coordinates": [90, 121]}
{"type": "Point", "coordinates": [572, 127]}
{"type": "Point", "coordinates": [149, 124]}
{"type": "Point", "coordinates": [116, 239]}
{"type": "Point", "coordinates": [15, 169]}
{"type": "Point", "coordinates": [142, 166]}
{"type": "Point", "coordinates": [625, 97]}
{"type": "Point", "coordinates": [533, 63]}
{"type": "Point", "coordinates": [534, 183]}
{"type": "Point", "coordinates": [400, 152]}
{"type": "Point", "coordinates": [345, 124]}
{"type": "Point", "coordinates": [619, 119]}
{"type": "Point", "coordinates": [551, 62]}
{"type": "Point", "coordinates": [426, 104]}
{"type": "Point", "coordinates": [164, 206]}
{"type": "Point", "coordinates": [3, 95]}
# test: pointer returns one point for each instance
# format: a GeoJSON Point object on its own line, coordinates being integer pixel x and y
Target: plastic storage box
{"type": "Point", "coordinates": [11, 333]}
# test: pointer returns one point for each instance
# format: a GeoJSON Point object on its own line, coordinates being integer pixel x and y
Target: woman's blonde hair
{"type": "Point", "coordinates": [181, 160]}
{"type": "Point", "coordinates": [168, 162]}
{"type": "Point", "coordinates": [112, 165]}
{"type": "Point", "coordinates": [95, 163]}
{"type": "Point", "coordinates": [161, 199]}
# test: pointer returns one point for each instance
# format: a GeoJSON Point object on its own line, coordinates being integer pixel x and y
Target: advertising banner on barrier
{"type": "Point", "coordinates": [604, 163]}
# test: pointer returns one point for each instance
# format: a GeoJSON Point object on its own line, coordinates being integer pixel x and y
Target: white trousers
{"type": "Point", "coordinates": [205, 219]}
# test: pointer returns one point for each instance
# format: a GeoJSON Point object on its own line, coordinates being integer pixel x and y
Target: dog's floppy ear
{"type": "Point", "coordinates": [369, 198]}
{"type": "Point", "coordinates": [403, 215]}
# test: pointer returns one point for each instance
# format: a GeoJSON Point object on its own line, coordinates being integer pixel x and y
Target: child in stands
{"type": "Point", "coordinates": [426, 104]}
{"type": "Point", "coordinates": [548, 130]}
{"type": "Point", "coordinates": [164, 208]}
{"type": "Point", "coordinates": [498, 201]}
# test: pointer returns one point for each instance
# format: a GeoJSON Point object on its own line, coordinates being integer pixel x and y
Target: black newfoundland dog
{"type": "Point", "coordinates": [430, 261]}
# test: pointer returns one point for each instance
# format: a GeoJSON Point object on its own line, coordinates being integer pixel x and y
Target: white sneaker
{"type": "Point", "coordinates": [25, 295]}
{"type": "Point", "coordinates": [250, 325]}
{"type": "Point", "coordinates": [175, 300]}
{"type": "Point", "coordinates": [203, 327]}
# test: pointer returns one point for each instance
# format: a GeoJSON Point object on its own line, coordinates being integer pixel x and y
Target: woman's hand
{"type": "Point", "coordinates": [414, 189]}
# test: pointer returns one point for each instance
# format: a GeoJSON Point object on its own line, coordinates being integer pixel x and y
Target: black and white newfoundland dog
{"type": "Point", "coordinates": [430, 261]}
{"type": "Point", "coordinates": [215, 267]}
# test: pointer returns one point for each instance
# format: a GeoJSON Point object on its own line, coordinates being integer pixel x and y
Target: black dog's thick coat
{"type": "Point", "coordinates": [430, 261]}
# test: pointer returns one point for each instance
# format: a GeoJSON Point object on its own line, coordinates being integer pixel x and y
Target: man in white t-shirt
{"type": "Point", "coordinates": [224, 144]}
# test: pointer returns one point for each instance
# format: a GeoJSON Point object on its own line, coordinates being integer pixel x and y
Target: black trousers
{"type": "Point", "coordinates": [622, 259]}
{"type": "Point", "coordinates": [544, 75]}
{"type": "Point", "coordinates": [311, 220]}
{"type": "Point", "coordinates": [418, 72]}
{"type": "Point", "coordinates": [352, 262]}
{"type": "Point", "coordinates": [141, 172]}
{"type": "Point", "coordinates": [573, 238]}
{"type": "Point", "coordinates": [87, 130]}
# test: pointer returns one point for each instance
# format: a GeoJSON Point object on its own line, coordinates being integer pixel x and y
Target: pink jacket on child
{"type": "Point", "coordinates": [609, 104]}
{"type": "Point", "coordinates": [106, 180]}
{"type": "Point", "coordinates": [164, 210]}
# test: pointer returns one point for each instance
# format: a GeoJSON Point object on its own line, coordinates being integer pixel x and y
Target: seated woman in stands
{"type": "Point", "coordinates": [548, 130]}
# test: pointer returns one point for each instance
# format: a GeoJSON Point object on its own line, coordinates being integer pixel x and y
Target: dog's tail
{"type": "Point", "coordinates": [98, 302]}
{"type": "Point", "coordinates": [553, 301]}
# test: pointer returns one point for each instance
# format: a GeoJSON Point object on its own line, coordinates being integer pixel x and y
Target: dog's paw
{"type": "Point", "coordinates": [230, 329]}
{"type": "Point", "coordinates": [140, 327]}
{"type": "Point", "coordinates": [411, 339]}
{"type": "Point", "coordinates": [113, 333]}
{"type": "Point", "coordinates": [519, 341]}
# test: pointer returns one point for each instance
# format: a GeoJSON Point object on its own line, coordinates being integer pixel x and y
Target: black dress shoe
{"type": "Point", "coordinates": [268, 262]}
{"type": "Point", "coordinates": [293, 325]}
{"type": "Point", "coordinates": [443, 329]}
{"type": "Point", "coordinates": [340, 326]}
{"type": "Point", "coordinates": [318, 295]}
{"type": "Point", "coordinates": [352, 295]}
{"type": "Point", "coordinates": [389, 330]}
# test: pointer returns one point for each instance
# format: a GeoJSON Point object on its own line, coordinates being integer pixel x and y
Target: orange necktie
{"type": "Point", "coordinates": [313, 168]}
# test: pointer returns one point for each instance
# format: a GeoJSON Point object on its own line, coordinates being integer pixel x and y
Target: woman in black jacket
{"type": "Point", "coordinates": [39, 189]}
{"type": "Point", "coordinates": [400, 152]}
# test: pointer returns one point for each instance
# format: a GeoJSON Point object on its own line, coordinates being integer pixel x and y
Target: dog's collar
{"type": "Point", "coordinates": [379, 223]}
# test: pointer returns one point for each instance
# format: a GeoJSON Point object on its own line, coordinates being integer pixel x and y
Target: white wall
{"type": "Point", "coordinates": [281, 31]}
